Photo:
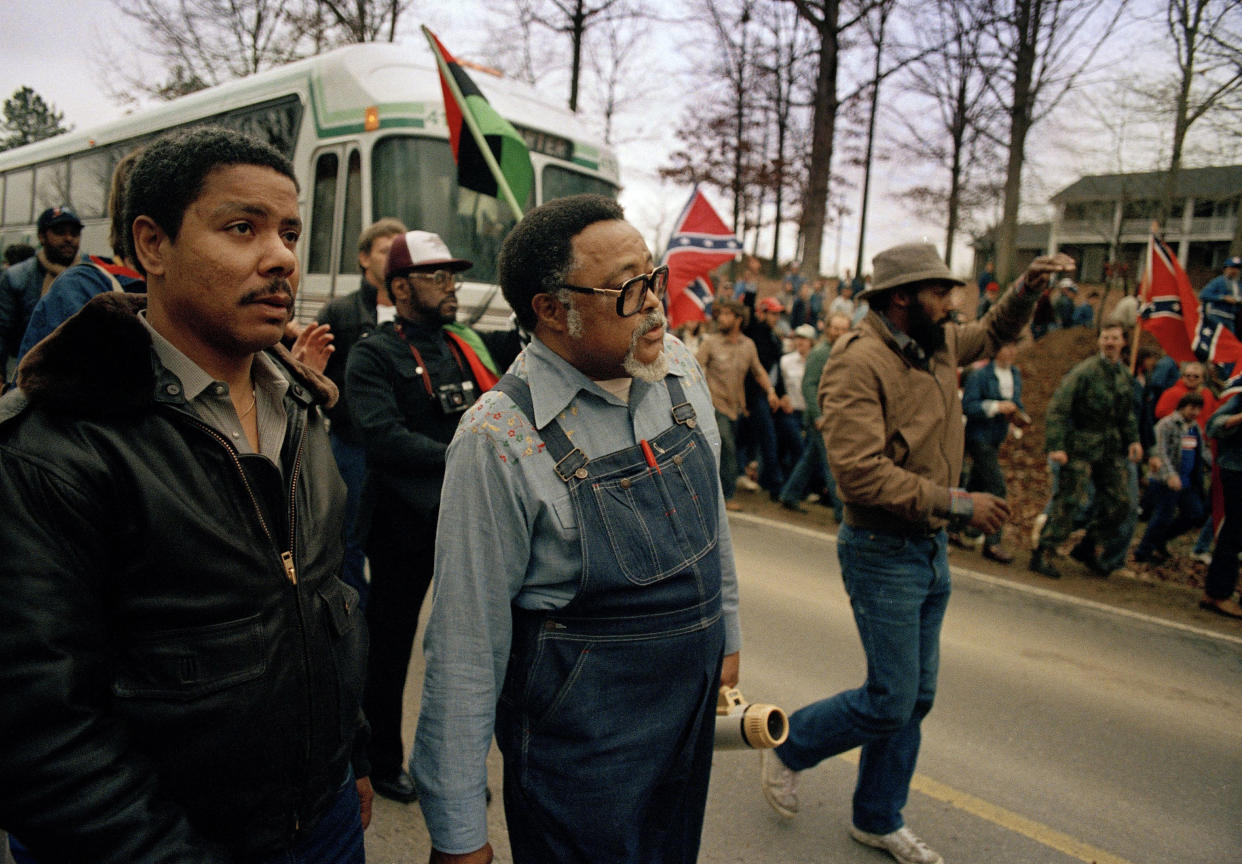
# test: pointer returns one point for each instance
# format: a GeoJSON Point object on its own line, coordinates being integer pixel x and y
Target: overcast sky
{"type": "Point", "coordinates": [57, 48]}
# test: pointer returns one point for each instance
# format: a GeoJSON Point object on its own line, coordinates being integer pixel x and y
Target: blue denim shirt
{"type": "Point", "coordinates": [507, 535]}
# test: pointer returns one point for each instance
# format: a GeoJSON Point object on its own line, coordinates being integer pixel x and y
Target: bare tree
{"type": "Point", "coordinates": [828, 25]}
{"type": "Point", "coordinates": [1205, 36]}
{"type": "Point", "coordinates": [781, 77]}
{"type": "Point", "coordinates": [613, 62]}
{"type": "Point", "coordinates": [200, 43]}
{"type": "Point", "coordinates": [1036, 52]}
{"type": "Point", "coordinates": [951, 78]}
{"type": "Point", "coordinates": [209, 41]}
{"type": "Point", "coordinates": [364, 20]}
{"type": "Point", "coordinates": [722, 142]}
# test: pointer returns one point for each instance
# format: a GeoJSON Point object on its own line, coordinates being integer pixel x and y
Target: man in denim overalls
{"type": "Point", "coordinates": [585, 605]}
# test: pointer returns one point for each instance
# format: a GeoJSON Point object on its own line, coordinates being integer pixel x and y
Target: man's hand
{"type": "Point", "coordinates": [313, 346]}
{"type": "Point", "coordinates": [730, 670]}
{"type": "Point", "coordinates": [1154, 464]}
{"type": "Point", "coordinates": [787, 404]}
{"type": "Point", "coordinates": [1135, 453]}
{"type": "Point", "coordinates": [1006, 408]}
{"type": "Point", "coordinates": [1175, 483]}
{"type": "Point", "coordinates": [774, 401]}
{"type": "Point", "coordinates": [478, 856]}
{"type": "Point", "coordinates": [821, 420]}
{"type": "Point", "coordinates": [366, 795]}
{"type": "Point", "coordinates": [1058, 456]}
{"type": "Point", "coordinates": [990, 512]}
{"type": "Point", "coordinates": [1039, 272]}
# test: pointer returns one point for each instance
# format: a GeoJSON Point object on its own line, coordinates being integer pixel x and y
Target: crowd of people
{"type": "Point", "coordinates": [221, 526]}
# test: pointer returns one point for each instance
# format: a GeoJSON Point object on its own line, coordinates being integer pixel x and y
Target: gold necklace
{"type": "Point", "coordinates": [254, 398]}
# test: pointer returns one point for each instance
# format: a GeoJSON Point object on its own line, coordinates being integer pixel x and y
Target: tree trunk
{"type": "Point", "coordinates": [578, 29]}
{"type": "Point", "coordinates": [1027, 31]}
{"type": "Point", "coordinates": [823, 126]}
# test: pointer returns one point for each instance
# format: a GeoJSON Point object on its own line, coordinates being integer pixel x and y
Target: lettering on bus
{"type": "Point", "coordinates": [547, 143]}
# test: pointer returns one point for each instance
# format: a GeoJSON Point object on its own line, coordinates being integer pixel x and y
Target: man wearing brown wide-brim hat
{"type": "Point", "coordinates": [894, 437]}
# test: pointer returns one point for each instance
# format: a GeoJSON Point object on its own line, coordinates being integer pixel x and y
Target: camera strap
{"type": "Point", "coordinates": [418, 358]}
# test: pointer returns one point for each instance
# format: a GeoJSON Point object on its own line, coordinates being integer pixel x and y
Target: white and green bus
{"type": "Point", "coordinates": [364, 127]}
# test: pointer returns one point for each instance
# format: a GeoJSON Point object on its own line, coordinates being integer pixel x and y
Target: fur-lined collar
{"type": "Point", "coordinates": [100, 362]}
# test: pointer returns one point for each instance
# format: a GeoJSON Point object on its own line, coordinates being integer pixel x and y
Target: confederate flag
{"type": "Point", "coordinates": [1171, 313]}
{"type": "Point", "coordinates": [474, 124]}
{"type": "Point", "coordinates": [700, 243]}
{"type": "Point", "coordinates": [1168, 301]}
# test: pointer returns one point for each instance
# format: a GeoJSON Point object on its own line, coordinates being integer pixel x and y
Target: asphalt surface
{"type": "Point", "coordinates": [1065, 729]}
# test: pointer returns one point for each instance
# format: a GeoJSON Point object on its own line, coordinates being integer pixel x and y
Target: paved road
{"type": "Point", "coordinates": [1063, 731]}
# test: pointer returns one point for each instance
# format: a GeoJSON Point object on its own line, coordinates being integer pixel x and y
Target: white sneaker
{"type": "Point", "coordinates": [746, 483]}
{"type": "Point", "coordinates": [1037, 529]}
{"type": "Point", "coordinates": [902, 844]}
{"type": "Point", "coordinates": [1202, 557]}
{"type": "Point", "coordinates": [780, 785]}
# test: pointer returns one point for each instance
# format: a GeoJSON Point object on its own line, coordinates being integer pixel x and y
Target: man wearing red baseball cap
{"type": "Point", "coordinates": [407, 383]}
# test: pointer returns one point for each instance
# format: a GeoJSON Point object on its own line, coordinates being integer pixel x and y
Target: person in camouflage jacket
{"type": "Point", "coordinates": [1091, 429]}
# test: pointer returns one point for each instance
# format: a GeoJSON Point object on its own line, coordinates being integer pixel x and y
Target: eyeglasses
{"type": "Point", "coordinates": [442, 279]}
{"type": "Point", "coordinates": [632, 293]}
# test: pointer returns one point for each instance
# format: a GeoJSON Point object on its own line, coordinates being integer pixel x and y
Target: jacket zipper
{"type": "Point", "coordinates": [287, 560]}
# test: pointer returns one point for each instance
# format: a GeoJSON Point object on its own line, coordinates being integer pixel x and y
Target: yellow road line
{"type": "Point", "coordinates": [1006, 819]}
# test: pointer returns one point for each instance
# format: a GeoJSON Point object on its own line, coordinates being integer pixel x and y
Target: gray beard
{"type": "Point", "coordinates": [652, 372]}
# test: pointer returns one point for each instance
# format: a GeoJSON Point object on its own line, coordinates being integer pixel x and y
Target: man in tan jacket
{"type": "Point", "coordinates": [894, 436]}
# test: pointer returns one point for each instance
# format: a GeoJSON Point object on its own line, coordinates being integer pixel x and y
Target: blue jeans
{"type": "Point", "coordinates": [1176, 511]}
{"type": "Point", "coordinates": [336, 839]}
{"type": "Point", "coordinates": [351, 461]}
{"type": "Point", "coordinates": [728, 454]}
{"type": "Point", "coordinates": [812, 468]}
{"type": "Point", "coordinates": [899, 590]}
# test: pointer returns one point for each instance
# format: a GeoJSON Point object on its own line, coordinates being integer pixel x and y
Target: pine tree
{"type": "Point", "coordinates": [27, 118]}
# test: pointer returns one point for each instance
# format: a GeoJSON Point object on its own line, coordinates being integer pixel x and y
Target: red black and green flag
{"type": "Point", "coordinates": [491, 156]}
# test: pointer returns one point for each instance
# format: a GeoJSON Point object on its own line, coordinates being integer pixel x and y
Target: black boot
{"type": "Point", "coordinates": [1040, 563]}
{"type": "Point", "coordinates": [1084, 551]}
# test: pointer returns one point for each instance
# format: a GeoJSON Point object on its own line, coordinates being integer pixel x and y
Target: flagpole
{"type": "Point", "coordinates": [1146, 290]}
{"type": "Point", "coordinates": [447, 76]}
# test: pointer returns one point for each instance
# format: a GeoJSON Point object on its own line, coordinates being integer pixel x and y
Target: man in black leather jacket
{"type": "Point", "coordinates": [351, 316]}
{"type": "Point", "coordinates": [180, 664]}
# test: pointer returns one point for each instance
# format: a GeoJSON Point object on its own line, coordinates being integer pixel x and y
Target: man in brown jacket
{"type": "Point", "coordinates": [895, 437]}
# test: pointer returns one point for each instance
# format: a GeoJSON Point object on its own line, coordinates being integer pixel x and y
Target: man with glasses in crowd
{"type": "Point", "coordinates": [575, 615]}
{"type": "Point", "coordinates": [408, 382]}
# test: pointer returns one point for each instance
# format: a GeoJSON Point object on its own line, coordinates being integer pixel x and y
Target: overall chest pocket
{"type": "Point", "coordinates": [657, 523]}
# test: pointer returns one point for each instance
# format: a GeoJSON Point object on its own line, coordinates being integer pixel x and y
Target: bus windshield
{"type": "Point", "coordinates": [415, 180]}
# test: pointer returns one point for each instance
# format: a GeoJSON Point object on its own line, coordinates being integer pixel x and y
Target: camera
{"type": "Point", "coordinates": [455, 398]}
{"type": "Point", "coordinates": [743, 726]}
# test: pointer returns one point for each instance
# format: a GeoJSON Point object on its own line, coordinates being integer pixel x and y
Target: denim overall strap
{"type": "Point", "coordinates": [606, 718]}
{"type": "Point", "coordinates": [570, 461]}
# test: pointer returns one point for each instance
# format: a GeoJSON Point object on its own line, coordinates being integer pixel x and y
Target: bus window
{"type": "Point", "coordinates": [18, 197]}
{"type": "Point", "coordinates": [51, 185]}
{"type": "Point", "coordinates": [560, 182]}
{"type": "Point", "coordinates": [89, 178]}
{"type": "Point", "coordinates": [351, 225]}
{"type": "Point", "coordinates": [415, 180]}
{"type": "Point", "coordinates": [323, 210]}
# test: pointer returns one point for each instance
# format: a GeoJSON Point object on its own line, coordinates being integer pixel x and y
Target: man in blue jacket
{"type": "Point", "coordinates": [21, 286]}
{"type": "Point", "coordinates": [1221, 296]}
{"type": "Point", "coordinates": [992, 400]}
